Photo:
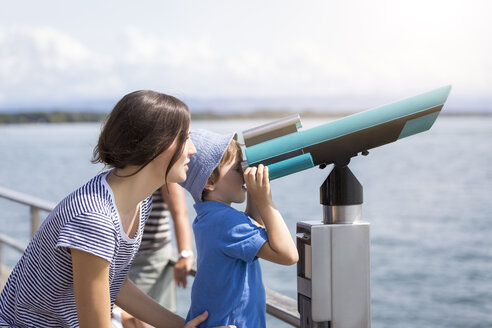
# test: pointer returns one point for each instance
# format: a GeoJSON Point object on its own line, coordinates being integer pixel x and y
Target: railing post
{"type": "Point", "coordinates": [34, 220]}
{"type": "Point", "coordinates": [1, 258]}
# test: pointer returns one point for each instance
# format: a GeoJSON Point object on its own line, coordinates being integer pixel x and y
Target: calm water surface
{"type": "Point", "coordinates": [428, 199]}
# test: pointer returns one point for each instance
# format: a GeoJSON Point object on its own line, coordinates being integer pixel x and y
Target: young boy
{"type": "Point", "coordinates": [228, 281]}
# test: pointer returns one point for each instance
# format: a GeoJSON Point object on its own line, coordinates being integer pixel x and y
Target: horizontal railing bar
{"type": "Point", "coordinates": [26, 199]}
{"type": "Point", "coordinates": [4, 275]}
{"type": "Point", "coordinates": [12, 242]}
{"type": "Point", "coordinates": [282, 307]}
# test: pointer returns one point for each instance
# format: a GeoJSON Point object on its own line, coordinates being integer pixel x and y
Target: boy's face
{"type": "Point", "coordinates": [230, 186]}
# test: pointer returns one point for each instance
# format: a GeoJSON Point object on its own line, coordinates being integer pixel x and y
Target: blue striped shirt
{"type": "Point", "coordinates": [39, 291]}
{"type": "Point", "coordinates": [157, 233]}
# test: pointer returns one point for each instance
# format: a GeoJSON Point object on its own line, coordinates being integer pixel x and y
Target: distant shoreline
{"type": "Point", "coordinates": [79, 117]}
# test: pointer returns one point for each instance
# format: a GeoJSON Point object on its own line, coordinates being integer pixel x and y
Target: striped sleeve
{"type": "Point", "coordinates": [93, 233]}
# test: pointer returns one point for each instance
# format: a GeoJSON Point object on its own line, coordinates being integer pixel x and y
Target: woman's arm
{"type": "Point", "coordinates": [280, 247]}
{"type": "Point", "coordinates": [131, 299]}
{"type": "Point", "coordinates": [137, 303]}
{"type": "Point", "coordinates": [91, 289]}
{"type": "Point", "coordinates": [174, 197]}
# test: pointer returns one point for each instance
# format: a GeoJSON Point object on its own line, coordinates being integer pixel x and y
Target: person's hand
{"type": "Point", "coordinates": [129, 321]}
{"type": "Point", "coordinates": [201, 318]}
{"type": "Point", "coordinates": [197, 320]}
{"type": "Point", "coordinates": [258, 183]}
{"type": "Point", "coordinates": [182, 269]}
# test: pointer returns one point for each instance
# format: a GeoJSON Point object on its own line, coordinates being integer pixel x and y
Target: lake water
{"type": "Point", "coordinates": [428, 199]}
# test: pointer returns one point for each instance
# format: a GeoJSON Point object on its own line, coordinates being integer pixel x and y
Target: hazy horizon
{"type": "Point", "coordinates": [244, 106]}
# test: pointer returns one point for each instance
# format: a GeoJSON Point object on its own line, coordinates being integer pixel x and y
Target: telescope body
{"type": "Point", "coordinates": [285, 150]}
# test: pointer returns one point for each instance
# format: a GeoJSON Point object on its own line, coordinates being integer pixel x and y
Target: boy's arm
{"type": "Point", "coordinates": [280, 247]}
{"type": "Point", "coordinates": [252, 210]}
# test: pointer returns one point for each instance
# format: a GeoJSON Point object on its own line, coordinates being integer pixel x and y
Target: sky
{"type": "Point", "coordinates": [352, 54]}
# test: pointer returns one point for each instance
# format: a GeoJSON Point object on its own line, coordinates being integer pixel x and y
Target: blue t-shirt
{"type": "Point", "coordinates": [39, 291]}
{"type": "Point", "coordinates": [228, 281]}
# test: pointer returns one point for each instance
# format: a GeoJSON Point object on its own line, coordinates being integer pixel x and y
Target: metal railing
{"type": "Point", "coordinates": [277, 305]}
{"type": "Point", "coordinates": [35, 204]}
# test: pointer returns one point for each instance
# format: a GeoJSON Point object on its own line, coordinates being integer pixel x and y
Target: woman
{"type": "Point", "coordinates": [75, 268]}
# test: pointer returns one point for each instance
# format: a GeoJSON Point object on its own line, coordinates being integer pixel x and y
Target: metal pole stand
{"type": "Point", "coordinates": [333, 272]}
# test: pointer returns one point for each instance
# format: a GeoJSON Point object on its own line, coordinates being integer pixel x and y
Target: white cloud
{"type": "Point", "coordinates": [350, 50]}
{"type": "Point", "coordinates": [145, 49]}
{"type": "Point", "coordinates": [42, 62]}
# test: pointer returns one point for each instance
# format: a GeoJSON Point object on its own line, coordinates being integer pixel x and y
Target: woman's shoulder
{"type": "Point", "coordinates": [92, 197]}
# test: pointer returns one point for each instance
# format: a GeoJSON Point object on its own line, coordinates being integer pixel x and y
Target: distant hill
{"type": "Point", "coordinates": [73, 117]}
{"type": "Point", "coordinates": [50, 117]}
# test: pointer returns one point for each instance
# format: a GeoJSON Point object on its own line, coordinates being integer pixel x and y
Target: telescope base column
{"type": "Point", "coordinates": [306, 318]}
{"type": "Point", "coordinates": [334, 274]}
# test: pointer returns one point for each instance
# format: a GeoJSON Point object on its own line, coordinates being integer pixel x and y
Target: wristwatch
{"type": "Point", "coordinates": [185, 254]}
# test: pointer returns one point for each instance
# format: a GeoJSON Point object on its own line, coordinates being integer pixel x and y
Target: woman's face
{"type": "Point", "coordinates": [177, 173]}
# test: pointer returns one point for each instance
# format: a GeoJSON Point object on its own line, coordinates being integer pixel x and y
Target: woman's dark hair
{"type": "Point", "coordinates": [140, 127]}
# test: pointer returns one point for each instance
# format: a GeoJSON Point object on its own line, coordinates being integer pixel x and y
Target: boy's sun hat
{"type": "Point", "coordinates": [210, 147]}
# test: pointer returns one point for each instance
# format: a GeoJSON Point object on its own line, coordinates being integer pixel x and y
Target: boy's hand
{"type": "Point", "coordinates": [258, 183]}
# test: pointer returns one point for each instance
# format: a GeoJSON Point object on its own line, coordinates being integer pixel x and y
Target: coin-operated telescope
{"type": "Point", "coordinates": [333, 272]}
